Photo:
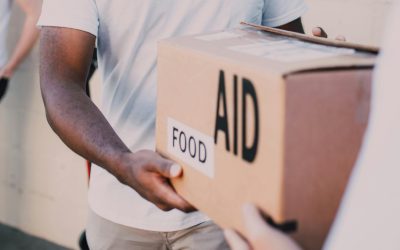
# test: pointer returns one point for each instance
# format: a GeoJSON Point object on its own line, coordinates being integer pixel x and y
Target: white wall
{"type": "Point", "coordinates": [359, 20]}
{"type": "Point", "coordinates": [43, 184]}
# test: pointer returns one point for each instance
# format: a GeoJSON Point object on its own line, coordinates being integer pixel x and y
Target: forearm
{"type": "Point", "coordinates": [65, 56]}
{"type": "Point", "coordinates": [29, 34]}
{"type": "Point", "coordinates": [81, 125]}
{"type": "Point", "coordinates": [25, 43]}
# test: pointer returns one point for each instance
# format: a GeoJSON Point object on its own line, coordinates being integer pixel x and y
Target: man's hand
{"type": "Point", "coordinates": [259, 235]}
{"type": "Point", "coordinates": [297, 26]}
{"type": "Point", "coordinates": [320, 32]}
{"type": "Point", "coordinates": [149, 173]}
{"type": "Point", "coordinates": [6, 72]}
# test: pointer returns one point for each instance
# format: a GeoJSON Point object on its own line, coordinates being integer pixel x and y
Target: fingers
{"type": "Point", "coordinates": [5, 72]}
{"type": "Point", "coordinates": [175, 171]}
{"type": "Point", "coordinates": [235, 241]}
{"type": "Point", "coordinates": [168, 198]}
{"type": "Point", "coordinates": [341, 38]}
{"type": "Point", "coordinates": [151, 177]}
{"type": "Point", "coordinates": [320, 32]}
{"type": "Point", "coordinates": [261, 235]}
{"type": "Point", "coordinates": [254, 222]}
{"type": "Point", "coordinates": [167, 168]}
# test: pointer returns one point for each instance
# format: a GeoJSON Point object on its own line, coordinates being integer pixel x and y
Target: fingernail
{"type": "Point", "coordinates": [248, 208]}
{"type": "Point", "coordinates": [175, 170]}
{"type": "Point", "coordinates": [228, 233]}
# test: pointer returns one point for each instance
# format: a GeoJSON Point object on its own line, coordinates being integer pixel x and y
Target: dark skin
{"type": "Point", "coordinates": [296, 26]}
{"type": "Point", "coordinates": [65, 56]}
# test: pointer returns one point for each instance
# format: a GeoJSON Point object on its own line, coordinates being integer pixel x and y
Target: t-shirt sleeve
{"type": "Point", "coordinates": [280, 12]}
{"type": "Point", "coordinates": [75, 14]}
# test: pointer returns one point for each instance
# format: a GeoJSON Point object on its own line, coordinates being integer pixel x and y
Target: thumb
{"type": "Point", "coordinates": [254, 222]}
{"type": "Point", "coordinates": [175, 171]}
{"type": "Point", "coordinates": [341, 38]}
{"type": "Point", "coordinates": [235, 241]}
{"type": "Point", "coordinates": [168, 169]}
{"type": "Point", "coordinates": [319, 32]}
{"type": "Point", "coordinates": [262, 235]}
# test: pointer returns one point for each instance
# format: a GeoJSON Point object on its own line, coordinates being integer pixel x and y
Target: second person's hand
{"type": "Point", "coordinates": [6, 72]}
{"type": "Point", "coordinates": [320, 32]}
{"type": "Point", "coordinates": [259, 235]}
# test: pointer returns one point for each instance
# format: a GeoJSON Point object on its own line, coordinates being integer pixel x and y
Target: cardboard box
{"type": "Point", "coordinates": [264, 118]}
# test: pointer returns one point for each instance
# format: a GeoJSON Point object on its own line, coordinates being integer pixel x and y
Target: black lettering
{"type": "Point", "coordinates": [249, 152]}
{"type": "Point", "coordinates": [174, 138]}
{"type": "Point", "coordinates": [221, 121]}
{"type": "Point", "coordinates": [202, 146]}
{"type": "Point", "coordinates": [180, 141]}
{"type": "Point", "coordinates": [191, 139]}
{"type": "Point", "coordinates": [235, 115]}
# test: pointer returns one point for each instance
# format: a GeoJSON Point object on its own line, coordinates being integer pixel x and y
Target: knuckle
{"type": "Point", "coordinates": [164, 163]}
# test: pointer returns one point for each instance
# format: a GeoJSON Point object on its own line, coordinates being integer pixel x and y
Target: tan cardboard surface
{"type": "Point", "coordinates": [308, 129]}
{"type": "Point", "coordinates": [200, 102]}
{"type": "Point", "coordinates": [326, 116]}
{"type": "Point", "coordinates": [221, 49]}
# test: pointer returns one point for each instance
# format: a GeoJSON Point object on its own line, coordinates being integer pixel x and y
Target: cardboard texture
{"type": "Point", "coordinates": [263, 118]}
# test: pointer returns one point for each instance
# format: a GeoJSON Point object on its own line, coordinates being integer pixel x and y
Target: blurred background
{"type": "Point", "coordinates": [43, 185]}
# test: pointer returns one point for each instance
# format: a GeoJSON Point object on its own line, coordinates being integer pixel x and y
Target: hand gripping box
{"type": "Point", "coordinates": [266, 118]}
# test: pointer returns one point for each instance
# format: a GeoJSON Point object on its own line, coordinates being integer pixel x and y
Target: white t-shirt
{"type": "Point", "coordinates": [127, 33]}
{"type": "Point", "coordinates": [5, 10]}
{"type": "Point", "coordinates": [369, 217]}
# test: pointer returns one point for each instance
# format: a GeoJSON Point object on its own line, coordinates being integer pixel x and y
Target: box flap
{"type": "Point", "coordinates": [313, 39]}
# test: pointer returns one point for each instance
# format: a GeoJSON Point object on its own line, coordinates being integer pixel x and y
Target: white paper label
{"type": "Point", "coordinates": [191, 146]}
{"type": "Point", "coordinates": [290, 50]}
{"type": "Point", "coordinates": [219, 36]}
